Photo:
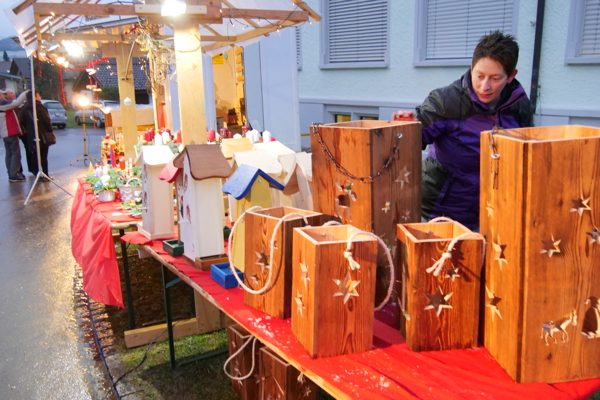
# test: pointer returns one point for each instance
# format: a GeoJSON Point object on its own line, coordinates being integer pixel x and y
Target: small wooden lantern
{"type": "Point", "coordinates": [540, 213]}
{"type": "Point", "coordinates": [250, 187]}
{"type": "Point", "coordinates": [241, 364]}
{"type": "Point", "coordinates": [201, 200]}
{"type": "Point", "coordinates": [280, 380]}
{"type": "Point", "coordinates": [157, 195]}
{"type": "Point", "coordinates": [332, 302]}
{"type": "Point", "coordinates": [276, 301]}
{"type": "Point", "coordinates": [438, 312]}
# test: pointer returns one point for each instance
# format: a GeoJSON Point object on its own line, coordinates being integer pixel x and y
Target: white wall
{"type": "Point", "coordinates": [569, 93]}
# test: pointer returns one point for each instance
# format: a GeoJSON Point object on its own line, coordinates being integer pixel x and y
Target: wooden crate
{"type": "Point", "coordinates": [280, 380]}
{"type": "Point", "coordinates": [259, 228]}
{"type": "Point", "coordinates": [540, 211]}
{"type": "Point", "coordinates": [442, 312]}
{"type": "Point", "coordinates": [332, 305]}
{"type": "Point", "coordinates": [362, 148]}
{"type": "Point", "coordinates": [242, 363]}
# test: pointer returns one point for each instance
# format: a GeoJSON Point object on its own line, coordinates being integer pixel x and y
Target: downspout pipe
{"type": "Point", "coordinates": [537, 52]}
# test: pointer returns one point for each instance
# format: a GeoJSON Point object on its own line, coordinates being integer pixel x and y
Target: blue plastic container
{"type": "Point", "coordinates": [221, 273]}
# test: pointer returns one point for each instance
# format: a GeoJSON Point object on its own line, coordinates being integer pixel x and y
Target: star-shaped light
{"type": "Point", "coordinates": [499, 253]}
{"type": "Point", "coordinates": [580, 205]}
{"type": "Point", "coordinates": [304, 274]}
{"type": "Point", "coordinates": [452, 273]}
{"type": "Point", "coordinates": [403, 177]}
{"type": "Point", "coordinates": [346, 288]}
{"type": "Point", "coordinates": [490, 210]}
{"type": "Point", "coordinates": [406, 215]}
{"type": "Point", "coordinates": [550, 246]}
{"type": "Point", "coordinates": [300, 304]}
{"type": "Point", "coordinates": [262, 261]}
{"type": "Point", "coordinates": [594, 236]}
{"type": "Point", "coordinates": [438, 301]}
{"type": "Point", "coordinates": [492, 303]}
{"type": "Point", "coordinates": [386, 207]}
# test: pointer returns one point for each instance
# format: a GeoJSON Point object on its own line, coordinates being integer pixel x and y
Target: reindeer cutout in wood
{"type": "Point", "coordinates": [550, 327]}
{"type": "Point", "coordinates": [342, 201]}
{"type": "Point", "coordinates": [591, 322]}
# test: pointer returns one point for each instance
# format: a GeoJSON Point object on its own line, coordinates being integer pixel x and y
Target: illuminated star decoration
{"type": "Point", "coordinates": [300, 304]}
{"type": "Point", "coordinates": [492, 303]}
{"type": "Point", "coordinates": [406, 215]}
{"type": "Point", "coordinates": [490, 210]}
{"type": "Point", "coordinates": [304, 275]}
{"type": "Point", "coordinates": [594, 236]}
{"type": "Point", "coordinates": [261, 259]}
{"type": "Point", "coordinates": [550, 246]}
{"type": "Point", "coordinates": [346, 288]}
{"type": "Point", "coordinates": [580, 205]}
{"type": "Point", "coordinates": [386, 207]}
{"type": "Point", "coordinates": [452, 273]}
{"type": "Point", "coordinates": [403, 177]}
{"type": "Point", "coordinates": [437, 301]}
{"type": "Point", "coordinates": [499, 253]}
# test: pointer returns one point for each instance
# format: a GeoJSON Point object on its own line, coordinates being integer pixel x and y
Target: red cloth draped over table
{"type": "Point", "coordinates": [93, 247]}
{"type": "Point", "coordinates": [390, 370]}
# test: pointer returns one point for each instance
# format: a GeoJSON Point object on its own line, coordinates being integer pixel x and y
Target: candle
{"type": "Point", "coordinates": [122, 163]}
{"type": "Point", "coordinates": [111, 153]}
{"type": "Point", "coordinates": [158, 140]}
{"type": "Point", "coordinates": [266, 136]}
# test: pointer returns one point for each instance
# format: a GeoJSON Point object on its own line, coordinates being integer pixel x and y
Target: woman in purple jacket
{"type": "Point", "coordinates": [453, 117]}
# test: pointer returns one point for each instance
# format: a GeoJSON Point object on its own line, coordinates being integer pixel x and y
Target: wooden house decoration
{"type": "Point", "coordinates": [231, 146]}
{"type": "Point", "coordinates": [201, 200]}
{"type": "Point", "coordinates": [250, 187]}
{"type": "Point", "coordinates": [438, 310]}
{"type": "Point", "coordinates": [157, 195]}
{"type": "Point", "coordinates": [540, 213]}
{"type": "Point", "coordinates": [368, 174]}
{"type": "Point", "coordinates": [241, 364]}
{"type": "Point", "coordinates": [279, 151]}
{"type": "Point", "coordinates": [280, 380]}
{"type": "Point", "coordinates": [332, 300]}
{"type": "Point", "coordinates": [260, 224]}
{"type": "Point", "coordinates": [298, 181]}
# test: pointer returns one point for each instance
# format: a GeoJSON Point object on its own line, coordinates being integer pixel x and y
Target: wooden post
{"type": "Point", "coordinates": [126, 90]}
{"type": "Point", "coordinates": [188, 59]}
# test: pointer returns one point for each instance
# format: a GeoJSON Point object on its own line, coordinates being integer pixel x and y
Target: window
{"type": "Point", "coordinates": [355, 34]}
{"type": "Point", "coordinates": [583, 44]}
{"type": "Point", "coordinates": [298, 48]}
{"type": "Point", "coordinates": [342, 118]}
{"type": "Point", "coordinates": [447, 31]}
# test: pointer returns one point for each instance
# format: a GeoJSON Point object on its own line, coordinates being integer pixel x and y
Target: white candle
{"type": "Point", "coordinates": [158, 140]}
{"type": "Point", "coordinates": [266, 136]}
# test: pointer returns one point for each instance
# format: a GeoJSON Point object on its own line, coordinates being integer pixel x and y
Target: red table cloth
{"type": "Point", "coordinates": [390, 370]}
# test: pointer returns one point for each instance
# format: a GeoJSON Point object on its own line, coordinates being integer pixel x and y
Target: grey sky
{"type": "Point", "coordinates": [6, 29]}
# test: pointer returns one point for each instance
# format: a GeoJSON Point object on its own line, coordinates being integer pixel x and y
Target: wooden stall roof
{"type": "Point", "coordinates": [89, 23]}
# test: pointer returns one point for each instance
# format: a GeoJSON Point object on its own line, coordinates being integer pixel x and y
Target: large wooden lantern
{"type": "Point", "coordinates": [280, 380]}
{"type": "Point", "coordinates": [332, 299]}
{"type": "Point", "coordinates": [250, 187]}
{"type": "Point", "coordinates": [201, 200]}
{"type": "Point", "coordinates": [438, 298]}
{"type": "Point", "coordinates": [540, 213]}
{"type": "Point", "coordinates": [157, 195]}
{"type": "Point", "coordinates": [260, 225]}
{"type": "Point", "coordinates": [241, 364]}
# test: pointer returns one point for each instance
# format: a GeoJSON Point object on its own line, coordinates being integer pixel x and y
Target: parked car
{"type": "Point", "coordinates": [94, 114]}
{"type": "Point", "coordinates": [57, 112]}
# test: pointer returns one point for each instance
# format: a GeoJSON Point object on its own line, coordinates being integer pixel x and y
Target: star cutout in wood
{"type": "Point", "coordinates": [438, 301]}
{"type": "Point", "coordinates": [580, 205]}
{"type": "Point", "coordinates": [346, 288]}
{"type": "Point", "coordinates": [304, 275]}
{"type": "Point", "coordinates": [550, 246]}
{"type": "Point", "coordinates": [452, 273]}
{"type": "Point", "coordinates": [594, 236]}
{"type": "Point", "coordinates": [499, 253]}
{"type": "Point", "coordinates": [306, 391]}
{"type": "Point", "coordinates": [254, 278]}
{"type": "Point", "coordinates": [262, 261]}
{"type": "Point", "coordinates": [492, 303]}
{"type": "Point", "coordinates": [406, 215]}
{"type": "Point", "coordinates": [386, 207]}
{"type": "Point", "coordinates": [233, 344]}
{"type": "Point", "coordinates": [403, 177]}
{"type": "Point", "coordinates": [300, 304]}
{"type": "Point", "coordinates": [490, 210]}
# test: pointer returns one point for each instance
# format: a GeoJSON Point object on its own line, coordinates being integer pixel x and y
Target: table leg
{"type": "Point", "coordinates": [128, 293]}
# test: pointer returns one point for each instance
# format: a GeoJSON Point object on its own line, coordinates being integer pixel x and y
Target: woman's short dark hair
{"type": "Point", "coordinates": [500, 47]}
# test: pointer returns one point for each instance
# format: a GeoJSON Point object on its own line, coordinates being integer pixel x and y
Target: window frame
{"type": "Point", "coordinates": [324, 33]}
{"type": "Point", "coordinates": [575, 36]}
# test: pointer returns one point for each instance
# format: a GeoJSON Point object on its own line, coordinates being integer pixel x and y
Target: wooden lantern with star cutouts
{"type": "Point", "coordinates": [368, 174]}
{"type": "Point", "coordinates": [333, 298]}
{"type": "Point", "coordinates": [438, 282]}
{"type": "Point", "coordinates": [540, 213]}
{"type": "Point", "coordinates": [279, 380]}
{"type": "Point", "coordinates": [260, 226]}
{"type": "Point", "coordinates": [242, 363]}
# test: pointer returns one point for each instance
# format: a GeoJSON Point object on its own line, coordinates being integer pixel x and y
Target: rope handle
{"type": "Point", "coordinates": [271, 252]}
{"type": "Point", "coordinates": [131, 179]}
{"type": "Point", "coordinates": [242, 347]}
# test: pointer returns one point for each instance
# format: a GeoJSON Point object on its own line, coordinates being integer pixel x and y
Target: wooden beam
{"type": "Point", "coordinates": [107, 10]}
{"type": "Point", "coordinates": [126, 89]}
{"type": "Point", "coordinates": [247, 35]}
{"type": "Point", "coordinates": [296, 16]}
{"type": "Point", "coordinates": [308, 9]}
{"type": "Point", "coordinates": [143, 336]}
{"type": "Point", "coordinates": [23, 6]}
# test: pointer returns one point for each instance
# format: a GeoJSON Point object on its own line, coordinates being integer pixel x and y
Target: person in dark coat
{"type": "Point", "coordinates": [44, 125]}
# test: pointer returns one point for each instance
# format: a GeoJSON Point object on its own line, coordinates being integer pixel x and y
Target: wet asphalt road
{"type": "Point", "coordinates": [45, 352]}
